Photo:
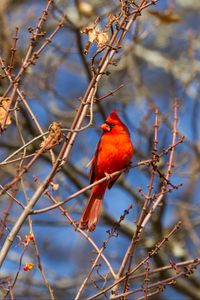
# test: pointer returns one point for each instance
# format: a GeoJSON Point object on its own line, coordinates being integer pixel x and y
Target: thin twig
{"type": "Point", "coordinates": [74, 224]}
{"type": "Point", "coordinates": [151, 253]}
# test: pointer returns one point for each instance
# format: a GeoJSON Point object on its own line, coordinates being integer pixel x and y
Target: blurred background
{"type": "Point", "coordinates": [159, 61]}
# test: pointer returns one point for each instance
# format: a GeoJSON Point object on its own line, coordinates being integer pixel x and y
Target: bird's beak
{"type": "Point", "coordinates": [105, 127]}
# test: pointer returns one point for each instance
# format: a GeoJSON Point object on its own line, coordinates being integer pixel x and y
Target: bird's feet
{"type": "Point", "coordinates": [108, 177]}
{"type": "Point", "coordinates": [128, 167]}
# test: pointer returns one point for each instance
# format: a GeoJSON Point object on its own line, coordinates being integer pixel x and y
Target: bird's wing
{"type": "Point", "coordinates": [93, 163]}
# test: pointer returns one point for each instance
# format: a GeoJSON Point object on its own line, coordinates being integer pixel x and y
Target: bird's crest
{"type": "Point", "coordinates": [113, 117]}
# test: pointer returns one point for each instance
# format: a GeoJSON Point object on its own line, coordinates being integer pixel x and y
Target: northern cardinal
{"type": "Point", "coordinates": [113, 153]}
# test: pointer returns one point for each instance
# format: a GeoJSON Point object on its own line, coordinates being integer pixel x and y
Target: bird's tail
{"type": "Point", "coordinates": [92, 210]}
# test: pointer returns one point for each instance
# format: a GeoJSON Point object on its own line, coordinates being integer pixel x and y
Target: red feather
{"type": "Point", "coordinates": [113, 153]}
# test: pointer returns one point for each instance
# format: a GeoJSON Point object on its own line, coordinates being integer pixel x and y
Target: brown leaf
{"type": "Point", "coordinates": [85, 8]}
{"type": "Point", "coordinates": [54, 137]}
{"type": "Point", "coordinates": [101, 39]}
{"type": "Point", "coordinates": [4, 105]}
{"type": "Point", "coordinates": [111, 19]}
{"type": "Point", "coordinates": [94, 35]}
{"type": "Point", "coordinates": [166, 16]}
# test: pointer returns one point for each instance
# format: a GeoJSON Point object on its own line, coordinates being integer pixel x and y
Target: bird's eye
{"type": "Point", "coordinates": [111, 125]}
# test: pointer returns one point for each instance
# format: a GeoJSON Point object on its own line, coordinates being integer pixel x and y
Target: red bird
{"type": "Point", "coordinates": [113, 153]}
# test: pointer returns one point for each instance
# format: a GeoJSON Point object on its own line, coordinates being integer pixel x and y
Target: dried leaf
{"type": "Point", "coordinates": [111, 19]}
{"type": "Point", "coordinates": [94, 35]}
{"type": "Point", "coordinates": [87, 47]}
{"type": "Point", "coordinates": [54, 137]}
{"type": "Point", "coordinates": [4, 105]}
{"type": "Point", "coordinates": [167, 16]}
{"type": "Point", "coordinates": [86, 9]}
{"type": "Point", "coordinates": [101, 39]}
